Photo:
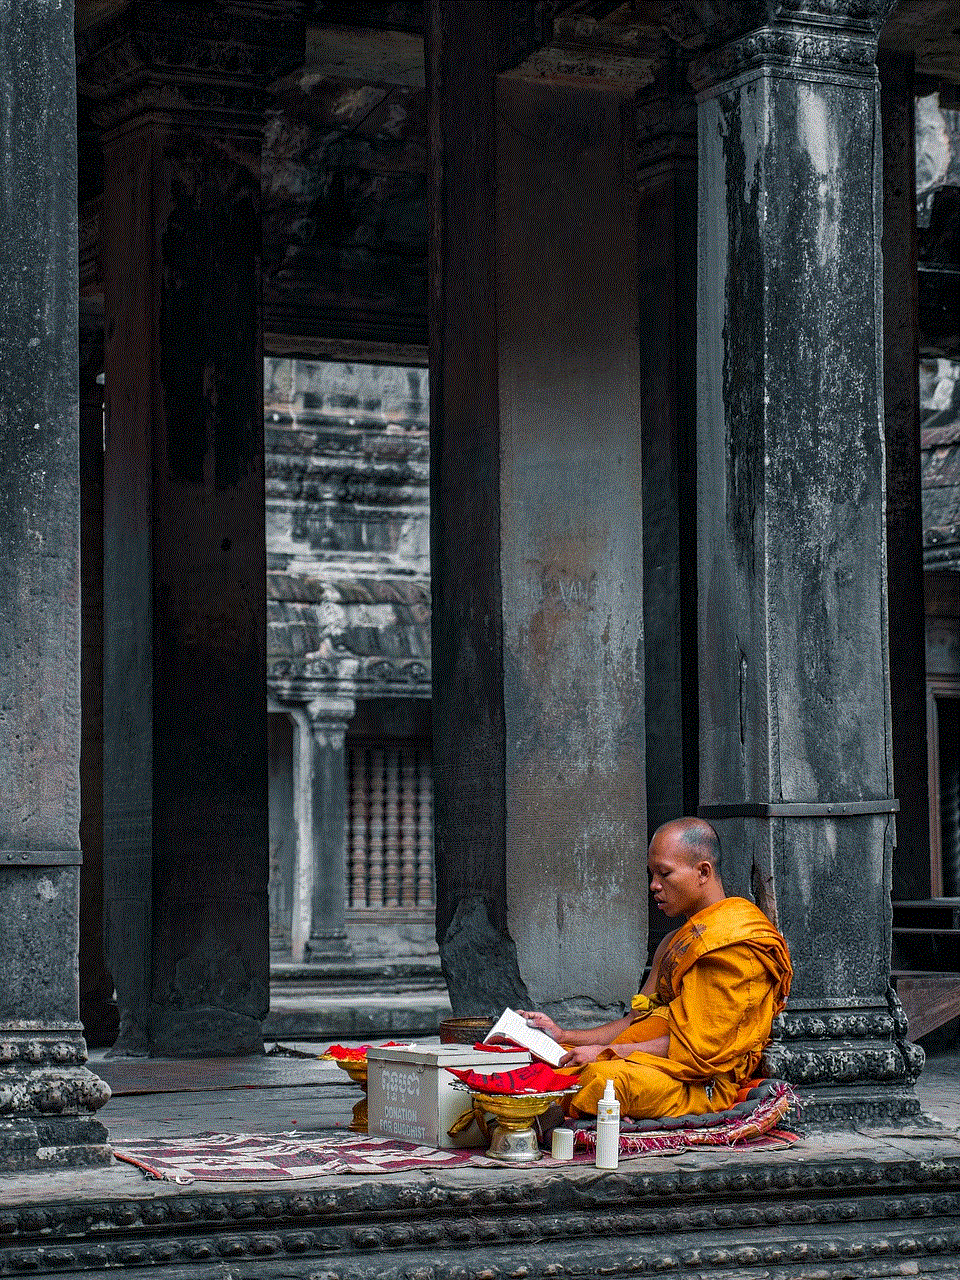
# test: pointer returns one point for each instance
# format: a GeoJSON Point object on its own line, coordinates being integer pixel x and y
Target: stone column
{"type": "Point", "coordinates": [320, 805]}
{"type": "Point", "coordinates": [667, 279]}
{"type": "Point", "coordinates": [901, 397]}
{"type": "Point", "coordinates": [97, 1009]}
{"type": "Point", "coordinates": [796, 768]}
{"type": "Point", "coordinates": [536, 509]}
{"type": "Point", "coordinates": [185, 768]}
{"type": "Point", "coordinates": [46, 1094]}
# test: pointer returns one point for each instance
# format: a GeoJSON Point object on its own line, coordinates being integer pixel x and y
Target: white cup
{"type": "Point", "coordinates": [562, 1147]}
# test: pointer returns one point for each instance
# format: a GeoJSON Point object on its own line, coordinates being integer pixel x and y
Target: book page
{"type": "Point", "coordinates": [510, 1026]}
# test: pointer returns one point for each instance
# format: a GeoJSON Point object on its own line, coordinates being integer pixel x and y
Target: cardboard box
{"type": "Point", "coordinates": [411, 1095]}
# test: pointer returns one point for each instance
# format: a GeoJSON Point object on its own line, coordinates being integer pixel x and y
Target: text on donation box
{"type": "Point", "coordinates": [400, 1108]}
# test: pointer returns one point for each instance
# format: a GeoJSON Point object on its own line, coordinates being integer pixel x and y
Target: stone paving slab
{"type": "Point", "coordinates": [314, 1096]}
{"type": "Point", "coordinates": [877, 1203]}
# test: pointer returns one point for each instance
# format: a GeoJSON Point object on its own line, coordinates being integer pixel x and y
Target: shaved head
{"type": "Point", "coordinates": [696, 838]}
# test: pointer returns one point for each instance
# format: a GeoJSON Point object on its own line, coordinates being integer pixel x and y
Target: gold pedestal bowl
{"type": "Point", "coordinates": [357, 1071]}
{"type": "Point", "coordinates": [514, 1138]}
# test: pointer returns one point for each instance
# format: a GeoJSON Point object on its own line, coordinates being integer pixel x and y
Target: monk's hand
{"type": "Point", "coordinates": [583, 1054]}
{"type": "Point", "coordinates": [541, 1022]}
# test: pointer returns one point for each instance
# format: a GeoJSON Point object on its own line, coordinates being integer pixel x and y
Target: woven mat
{"type": "Point", "coordinates": [634, 1148]}
{"type": "Point", "coordinates": [257, 1157]}
{"type": "Point", "coordinates": [757, 1123]}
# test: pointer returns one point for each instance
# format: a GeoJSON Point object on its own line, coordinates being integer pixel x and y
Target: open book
{"type": "Point", "coordinates": [511, 1027]}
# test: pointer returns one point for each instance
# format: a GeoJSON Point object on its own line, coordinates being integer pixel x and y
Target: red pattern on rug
{"type": "Point", "coordinates": [259, 1157]}
{"type": "Point", "coordinates": [758, 1128]}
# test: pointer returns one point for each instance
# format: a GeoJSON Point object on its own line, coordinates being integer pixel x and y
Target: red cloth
{"type": "Point", "coordinates": [359, 1054]}
{"type": "Point", "coordinates": [498, 1048]}
{"type": "Point", "coordinates": [537, 1077]}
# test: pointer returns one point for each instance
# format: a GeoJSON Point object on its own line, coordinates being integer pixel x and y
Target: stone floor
{"type": "Point", "coordinates": [836, 1206]}
{"type": "Point", "coordinates": [280, 1094]}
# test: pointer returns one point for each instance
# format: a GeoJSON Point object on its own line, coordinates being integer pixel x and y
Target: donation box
{"type": "Point", "coordinates": [412, 1096]}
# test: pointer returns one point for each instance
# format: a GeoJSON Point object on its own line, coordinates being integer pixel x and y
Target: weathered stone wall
{"type": "Point", "coordinates": [349, 618]}
{"type": "Point", "coordinates": [347, 525]}
{"type": "Point", "coordinates": [571, 549]}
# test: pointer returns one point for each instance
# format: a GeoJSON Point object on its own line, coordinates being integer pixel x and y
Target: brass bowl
{"type": "Point", "coordinates": [464, 1030]}
{"type": "Point", "coordinates": [514, 1139]}
{"type": "Point", "coordinates": [357, 1071]}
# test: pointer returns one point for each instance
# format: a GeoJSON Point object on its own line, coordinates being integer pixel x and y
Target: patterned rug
{"type": "Point", "coordinates": [756, 1122]}
{"type": "Point", "coordinates": [257, 1157]}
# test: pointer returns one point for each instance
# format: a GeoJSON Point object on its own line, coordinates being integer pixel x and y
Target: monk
{"type": "Point", "coordinates": [703, 1016]}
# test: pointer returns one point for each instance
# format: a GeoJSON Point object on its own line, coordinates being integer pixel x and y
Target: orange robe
{"type": "Point", "coordinates": [720, 983]}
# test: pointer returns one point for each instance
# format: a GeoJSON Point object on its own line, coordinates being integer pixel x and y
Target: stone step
{"type": "Point", "coordinates": [796, 1215]}
{"type": "Point", "coordinates": [332, 973]}
{"type": "Point", "coordinates": [307, 1011]}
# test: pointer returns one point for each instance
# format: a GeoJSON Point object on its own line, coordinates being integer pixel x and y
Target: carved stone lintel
{"type": "Point", "coordinates": [666, 119]}
{"type": "Point", "coordinates": [801, 51]}
{"type": "Point", "coordinates": [571, 64]}
{"type": "Point", "coordinates": [695, 25]}
{"type": "Point", "coordinates": [597, 42]}
{"type": "Point", "coordinates": [297, 679]}
{"type": "Point", "coordinates": [211, 65]}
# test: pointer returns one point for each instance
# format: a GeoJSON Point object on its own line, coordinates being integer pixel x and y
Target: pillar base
{"type": "Point", "coordinates": [853, 1106]}
{"type": "Point", "coordinates": [63, 1142]}
{"type": "Point", "coordinates": [850, 1062]}
{"type": "Point", "coordinates": [328, 947]}
{"type": "Point", "coordinates": [205, 1031]}
{"type": "Point", "coordinates": [46, 1097]}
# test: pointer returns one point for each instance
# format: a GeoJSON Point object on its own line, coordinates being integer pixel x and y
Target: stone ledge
{"type": "Point", "coordinates": [765, 1216]}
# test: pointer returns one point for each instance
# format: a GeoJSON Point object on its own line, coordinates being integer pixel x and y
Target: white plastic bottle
{"type": "Point", "coordinates": [608, 1129]}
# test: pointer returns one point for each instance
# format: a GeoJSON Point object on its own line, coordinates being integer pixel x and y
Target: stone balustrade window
{"type": "Point", "coordinates": [390, 837]}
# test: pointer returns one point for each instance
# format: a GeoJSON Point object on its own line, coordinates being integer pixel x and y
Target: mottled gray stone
{"type": "Point", "coordinates": [536, 521]}
{"type": "Point", "coordinates": [571, 549]}
{"type": "Point", "coordinates": [794, 691]}
{"type": "Point", "coordinates": [666, 252]}
{"type": "Point", "coordinates": [321, 784]}
{"type": "Point", "coordinates": [348, 618]}
{"type": "Point", "coordinates": [185, 769]}
{"type": "Point", "coordinates": [46, 1094]}
{"type": "Point", "coordinates": [908, 685]}
{"type": "Point", "coordinates": [480, 962]}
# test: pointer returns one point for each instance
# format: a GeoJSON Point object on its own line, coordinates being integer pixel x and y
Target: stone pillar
{"type": "Point", "coordinates": [796, 768]}
{"type": "Point", "coordinates": [321, 808]}
{"type": "Point", "coordinates": [98, 1012]}
{"type": "Point", "coordinates": [467, 625]}
{"type": "Point", "coordinates": [667, 277]}
{"type": "Point", "coordinates": [46, 1094]}
{"type": "Point", "coordinates": [185, 768]}
{"type": "Point", "coordinates": [536, 538]}
{"type": "Point", "coordinates": [901, 398]}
